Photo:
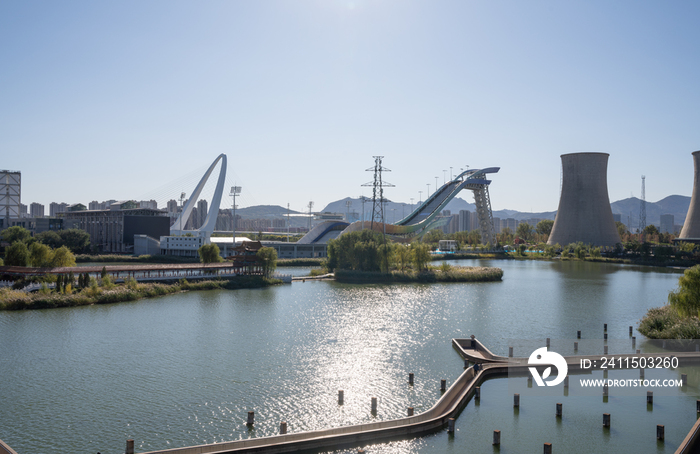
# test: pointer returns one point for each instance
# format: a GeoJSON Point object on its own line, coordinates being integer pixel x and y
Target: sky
{"type": "Point", "coordinates": [134, 100]}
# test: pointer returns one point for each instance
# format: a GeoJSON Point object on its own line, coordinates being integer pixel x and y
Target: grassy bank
{"type": "Point", "coordinates": [301, 262]}
{"type": "Point", "coordinates": [17, 300]}
{"type": "Point", "coordinates": [469, 255]}
{"type": "Point", "coordinates": [454, 274]}
{"type": "Point", "coordinates": [665, 323]}
{"type": "Point", "coordinates": [83, 258]}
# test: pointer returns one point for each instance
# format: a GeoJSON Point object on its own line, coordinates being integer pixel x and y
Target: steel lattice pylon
{"type": "Point", "coordinates": [378, 185]}
{"type": "Point", "coordinates": [484, 213]}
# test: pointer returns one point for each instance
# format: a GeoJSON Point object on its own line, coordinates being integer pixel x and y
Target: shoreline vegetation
{"type": "Point", "coordinates": [13, 300]}
{"type": "Point", "coordinates": [679, 318]}
{"type": "Point", "coordinates": [432, 275]}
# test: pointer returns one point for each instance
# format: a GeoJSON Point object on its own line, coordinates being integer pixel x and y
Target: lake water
{"type": "Point", "coordinates": [185, 369]}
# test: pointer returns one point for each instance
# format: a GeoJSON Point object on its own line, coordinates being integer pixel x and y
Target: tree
{"type": "Point", "coordinates": [40, 255]}
{"type": "Point", "coordinates": [686, 299]}
{"type": "Point", "coordinates": [544, 227]}
{"type": "Point", "coordinates": [49, 238]}
{"type": "Point", "coordinates": [75, 239]}
{"type": "Point", "coordinates": [16, 233]}
{"type": "Point", "coordinates": [421, 256]}
{"type": "Point", "coordinates": [651, 230]}
{"type": "Point", "coordinates": [17, 254]}
{"type": "Point", "coordinates": [524, 231]}
{"type": "Point", "coordinates": [621, 229]}
{"type": "Point", "coordinates": [267, 257]}
{"type": "Point", "coordinates": [355, 251]}
{"type": "Point", "coordinates": [62, 257]}
{"type": "Point", "coordinates": [433, 236]}
{"type": "Point", "coordinates": [402, 256]}
{"type": "Point", "coordinates": [210, 253]}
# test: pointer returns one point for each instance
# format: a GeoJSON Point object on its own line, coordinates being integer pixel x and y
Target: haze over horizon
{"type": "Point", "coordinates": [129, 100]}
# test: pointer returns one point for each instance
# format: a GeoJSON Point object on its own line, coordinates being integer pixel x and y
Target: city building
{"type": "Point", "coordinates": [36, 210]}
{"type": "Point", "coordinates": [10, 196]}
{"type": "Point", "coordinates": [666, 225]}
{"type": "Point", "coordinates": [113, 229]}
{"type": "Point", "coordinates": [56, 208]}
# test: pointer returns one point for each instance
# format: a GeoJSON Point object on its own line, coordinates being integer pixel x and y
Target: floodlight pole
{"type": "Point", "coordinates": [235, 190]}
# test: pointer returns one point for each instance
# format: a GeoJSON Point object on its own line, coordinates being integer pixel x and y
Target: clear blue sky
{"type": "Point", "coordinates": [113, 100]}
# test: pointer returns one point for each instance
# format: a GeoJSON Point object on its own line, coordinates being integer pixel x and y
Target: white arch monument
{"type": "Point", "coordinates": [210, 222]}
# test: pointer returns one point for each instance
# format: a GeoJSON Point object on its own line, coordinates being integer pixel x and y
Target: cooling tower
{"type": "Point", "coordinates": [691, 226]}
{"type": "Point", "coordinates": [584, 207]}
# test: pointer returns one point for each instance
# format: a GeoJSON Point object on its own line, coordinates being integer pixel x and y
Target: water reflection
{"type": "Point", "coordinates": [185, 369]}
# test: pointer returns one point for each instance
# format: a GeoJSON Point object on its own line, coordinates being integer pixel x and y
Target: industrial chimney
{"type": "Point", "coordinates": [691, 226]}
{"type": "Point", "coordinates": [584, 207]}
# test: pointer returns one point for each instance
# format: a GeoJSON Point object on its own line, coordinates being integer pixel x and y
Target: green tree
{"type": "Point", "coordinates": [524, 231]}
{"type": "Point", "coordinates": [40, 255]}
{"type": "Point", "coordinates": [421, 256]}
{"type": "Point", "coordinates": [210, 253]}
{"type": "Point", "coordinates": [355, 251]}
{"type": "Point", "coordinates": [75, 239]}
{"type": "Point", "coordinates": [433, 236]}
{"type": "Point", "coordinates": [686, 299]}
{"type": "Point", "coordinates": [62, 257]}
{"type": "Point", "coordinates": [651, 230]}
{"type": "Point", "coordinates": [17, 254]}
{"type": "Point", "coordinates": [402, 255]}
{"type": "Point", "coordinates": [621, 229]}
{"type": "Point", "coordinates": [267, 257]}
{"type": "Point", "coordinates": [16, 233]}
{"type": "Point", "coordinates": [49, 238]}
{"type": "Point", "coordinates": [544, 227]}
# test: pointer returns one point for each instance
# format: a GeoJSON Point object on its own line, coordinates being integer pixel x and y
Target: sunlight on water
{"type": "Point", "coordinates": [185, 369]}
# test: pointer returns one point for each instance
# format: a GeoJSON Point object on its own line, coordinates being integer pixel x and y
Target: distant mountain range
{"type": "Point", "coordinates": [677, 205]}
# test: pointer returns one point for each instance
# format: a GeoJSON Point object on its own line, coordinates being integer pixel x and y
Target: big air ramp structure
{"type": "Point", "coordinates": [584, 212]}
{"type": "Point", "coordinates": [691, 226]}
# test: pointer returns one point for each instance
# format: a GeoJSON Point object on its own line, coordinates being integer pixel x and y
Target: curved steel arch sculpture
{"type": "Point", "coordinates": [210, 221]}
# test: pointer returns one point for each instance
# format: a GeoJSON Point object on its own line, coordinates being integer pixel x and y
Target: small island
{"type": "Point", "coordinates": [365, 257]}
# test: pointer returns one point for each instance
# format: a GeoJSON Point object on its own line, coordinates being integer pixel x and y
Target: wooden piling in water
{"type": "Point", "coordinates": [684, 379]}
{"type": "Point", "coordinates": [605, 389]}
{"type": "Point", "coordinates": [605, 350]}
{"type": "Point", "coordinates": [451, 425]}
{"type": "Point", "coordinates": [409, 412]}
{"type": "Point", "coordinates": [477, 395]}
{"type": "Point", "coordinates": [606, 419]}
{"type": "Point", "coordinates": [605, 327]}
{"type": "Point", "coordinates": [650, 397]}
{"type": "Point", "coordinates": [374, 405]}
{"type": "Point", "coordinates": [516, 400]}
{"type": "Point", "coordinates": [443, 385]}
{"type": "Point", "coordinates": [605, 336]}
{"type": "Point", "coordinates": [659, 432]}
{"type": "Point", "coordinates": [251, 418]}
{"type": "Point", "coordinates": [630, 330]}
{"type": "Point", "coordinates": [341, 397]}
{"type": "Point", "coordinates": [578, 334]}
{"type": "Point", "coordinates": [410, 378]}
{"type": "Point", "coordinates": [496, 437]}
{"type": "Point", "coordinates": [559, 410]}
{"type": "Point", "coordinates": [566, 381]}
{"type": "Point", "coordinates": [283, 427]}
{"type": "Point", "coordinates": [547, 342]}
{"type": "Point", "coordinates": [548, 448]}
{"type": "Point", "coordinates": [129, 446]}
{"type": "Point", "coordinates": [510, 352]}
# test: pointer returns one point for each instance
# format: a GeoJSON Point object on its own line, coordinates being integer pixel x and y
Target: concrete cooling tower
{"type": "Point", "coordinates": [584, 207]}
{"type": "Point", "coordinates": [691, 226]}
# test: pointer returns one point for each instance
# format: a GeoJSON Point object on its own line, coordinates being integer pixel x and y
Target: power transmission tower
{"type": "Point", "coordinates": [642, 212]}
{"type": "Point", "coordinates": [378, 186]}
